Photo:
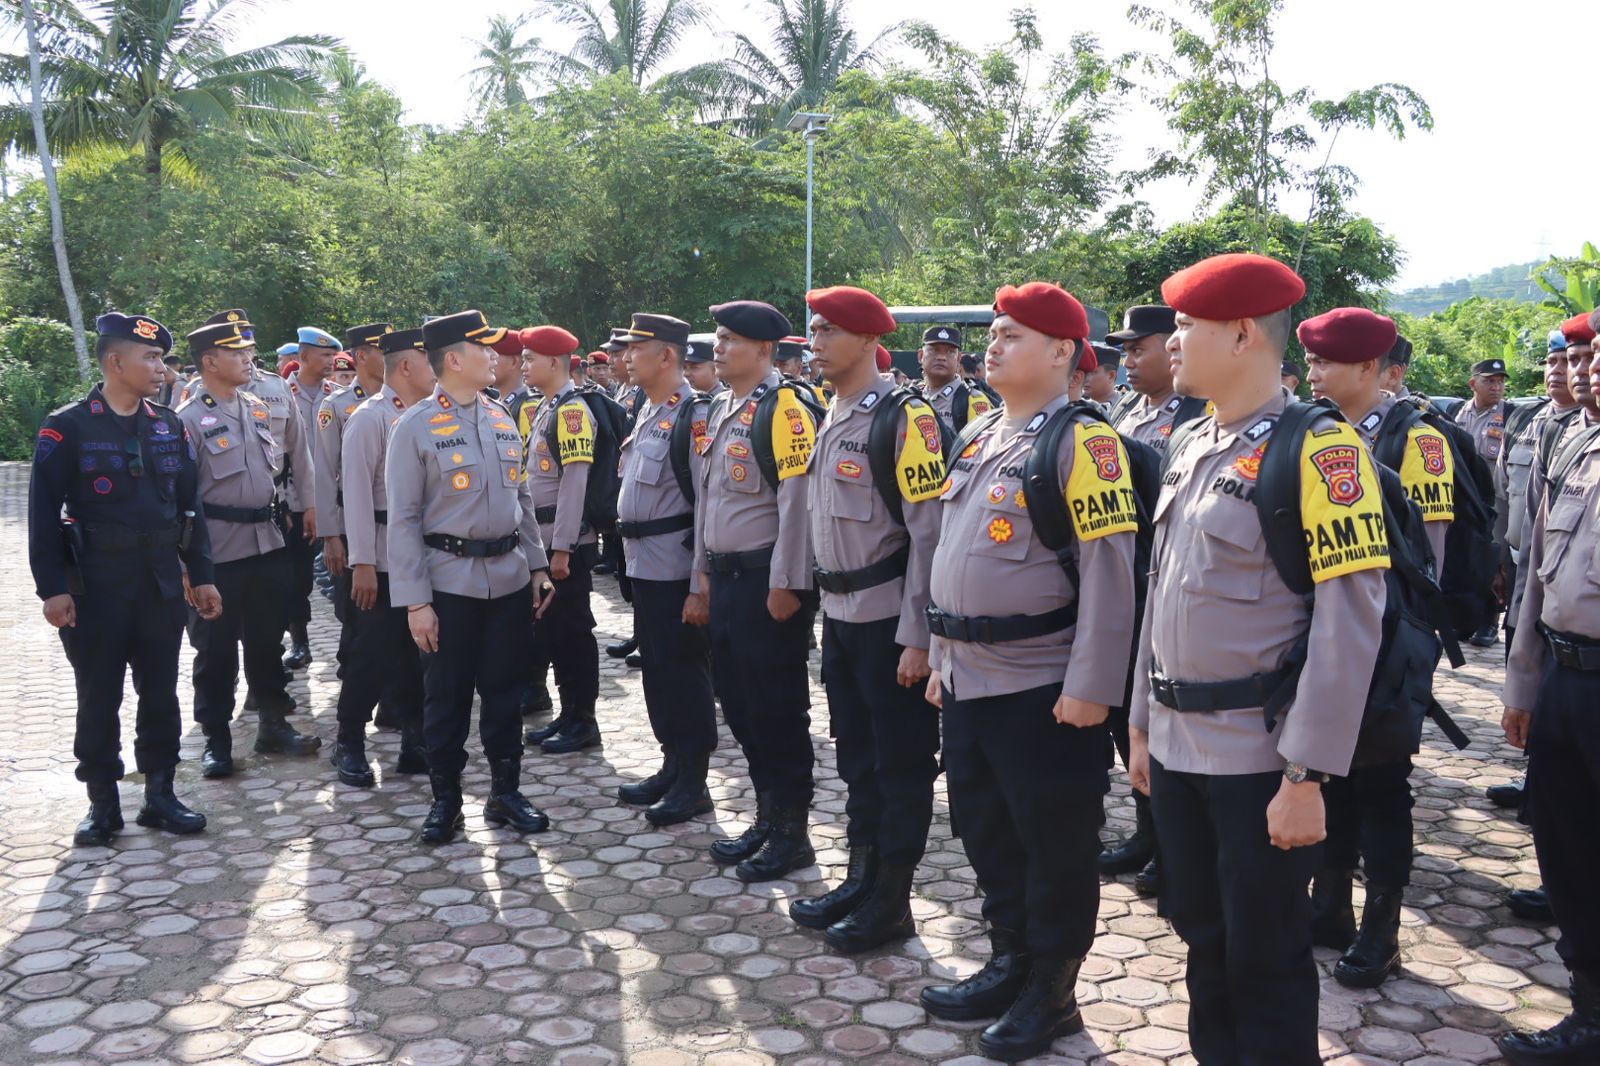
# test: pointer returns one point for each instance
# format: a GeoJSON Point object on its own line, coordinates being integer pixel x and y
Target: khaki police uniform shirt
{"type": "Point", "coordinates": [1428, 472]}
{"type": "Point", "coordinates": [1564, 554]}
{"type": "Point", "coordinates": [1218, 611]}
{"type": "Point", "coordinates": [1538, 484]}
{"type": "Point", "coordinates": [239, 458]}
{"type": "Point", "coordinates": [365, 438]}
{"type": "Point", "coordinates": [307, 399]}
{"type": "Point", "coordinates": [650, 488]}
{"type": "Point", "coordinates": [275, 391]}
{"type": "Point", "coordinates": [452, 469]}
{"type": "Point", "coordinates": [943, 401]}
{"type": "Point", "coordinates": [989, 563]}
{"type": "Point", "coordinates": [561, 481]}
{"type": "Point", "coordinates": [1488, 428]}
{"type": "Point", "coordinates": [850, 524]}
{"type": "Point", "coordinates": [736, 511]}
{"type": "Point", "coordinates": [332, 414]}
{"type": "Point", "coordinates": [1149, 420]}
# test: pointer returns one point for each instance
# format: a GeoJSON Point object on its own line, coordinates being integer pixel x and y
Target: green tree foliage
{"type": "Point", "coordinates": [1446, 344]}
{"type": "Point", "coordinates": [507, 63]}
{"type": "Point", "coordinates": [37, 374]}
{"type": "Point", "coordinates": [1575, 288]}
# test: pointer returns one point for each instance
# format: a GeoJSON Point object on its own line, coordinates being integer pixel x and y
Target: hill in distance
{"type": "Point", "coordinates": [1502, 283]}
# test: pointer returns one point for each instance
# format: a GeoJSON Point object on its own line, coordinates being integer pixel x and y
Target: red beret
{"type": "Point", "coordinates": [343, 362]}
{"type": "Point", "coordinates": [548, 340]}
{"type": "Point", "coordinates": [885, 360]}
{"type": "Point", "coordinates": [289, 368]}
{"type": "Point", "coordinates": [1348, 335]}
{"type": "Point", "coordinates": [575, 363]}
{"type": "Point", "coordinates": [1088, 361]}
{"type": "Point", "coordinates": [510, 344]}
{"type": "Point", "coordinates": [1048, 308]}
{"type": "Point", "coordinates": [1577, 329]}
{"type": "Point", "coordinates": [600, 357]}
{"type": "Point", "coordinates": [856, 310]}
{"type": "Point", "coordinates": [1237, 285]}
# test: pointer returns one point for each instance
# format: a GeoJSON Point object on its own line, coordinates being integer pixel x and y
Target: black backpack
{"type": "Point", "coordinates": [1471, 556]}
{"type": "Point", "coordinates": [1521, 414]}
{"type": "Point", "coordinates": [612, 424]}
{"type": "Point", "coordinates": [1550, 437]}
{"type": "Point", "coordinates": [766, 401]}
{"type": "Point", "coordinates": [680, 445]}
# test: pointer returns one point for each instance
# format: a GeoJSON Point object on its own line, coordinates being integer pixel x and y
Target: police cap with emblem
{"type": "Point", "coordinates": [137, 328]}
{"type": "Point", "coordinates": [401, 340]}
{"type": "Point", "coordinates": [1488, 368]}
{"type": "Point", "coordinates": [1106, 355]}
{"type": "Point", "coordinates": [1232, 286]}
{"type": "Point", "coordinates": [1144, 320]}
{"type": "Point", "coordinates": [656, 328]}
{"type": "Point", "coordinates": [617, 341]}
{"type": "Point", "coordinates": [359, 336]}
{"type": "Point", "coordinates": [942, 335]}
{"type": "Point", "coordinates": [1578, 330]}
{"type": "Point", "coordinates": [226, 329]}
{"type": "Point", "coordinates": [699, 352]}
{"type": "Point", "coordinates": [1044, 307]}
{"type": "Point", "coordinates": [854, 310]}
{"type": "Point", "coordinates": [1348, 335]}
{"type": "Point", "coordinates": [753, 319]}
{"type": "Point", "coordinates": [459, 328]}
{"type": "Point", "coordinates": [551, 341]}
{"type": "Point", "coordinates": [313, 337]}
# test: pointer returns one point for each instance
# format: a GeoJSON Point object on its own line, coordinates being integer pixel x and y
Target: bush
{"type": "Point", "coordinates": [38, 373]}
{"type": "Point", "coordinates": [44, 344]}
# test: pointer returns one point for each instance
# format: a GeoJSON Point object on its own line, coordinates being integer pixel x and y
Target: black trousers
{"type": "Point", "coordinates": [302, 554]}
{"type": "Point", "coordinates": [1028, 792]}
{"type": "Point", "coordinates": [564, 637]}
{"type": "Point", "coordinates": [382, 662]}
{"type": "Point", "coordinates": [1564, 806]}
{"type": "Point", "coordinates": [123, 622]}
{"type": "Point", "coordinates": [886, 737]}
{"type": "Point", "coordinates": [1369, 823]}
{"type": "Point", "coordinates": [1242, 907]}
{"type": "Point", "coordinates": [677, 668]}
{"type": "Point", "coordinates": [253, 609]}
{"type": "Point", "coordinates": [478, 651]}
{"type": "Point", "coordinates": [759, 665]}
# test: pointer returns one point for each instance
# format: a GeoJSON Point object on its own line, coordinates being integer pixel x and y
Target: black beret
{"type": "Point", "coordinates": [1488, 367]}
{"type": "Point", "coordinates": [1289, 370]}
{"type": "Point", "coordinates": [1144, 320]}
{"type": "Point", "coordinates": [654, 328]}
{"type": "Point", "coordinates": [400, 340]}
{"type": "Point", "coordinates": [356, 336]}
{"type": "Point", "coordinates": [754, 319]}
{"type": "Point", "coordinates": [1400, 354]}
{"type": "Point", "coordinates": [942, 335]}
{"type": "Point", "coordinates": [969, 363]}
{"type": "Point", "coordinates": [454, 329]}
{"type": "Point", "coordinates": [137, 328]}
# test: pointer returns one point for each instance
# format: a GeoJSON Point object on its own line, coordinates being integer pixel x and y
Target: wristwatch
{"type": "Point", "coordinates": [1298, 773]}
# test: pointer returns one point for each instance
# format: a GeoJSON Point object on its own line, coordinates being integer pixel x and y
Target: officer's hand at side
{"type": "Point", "coordinates": [207, 602]}
{"type": "Point", "coordinates": [1081, 713]}
{"type": "Point", "coordinates": [935, 693]}
{"type": "Point", "coordinates": [61, 611]}
{"type": "Point", "coordinates": [1516, 724]}
{"type": "Point", "coordinates": [913, 666]}
{"type": "Point", "coordinates": [1139, 759]}
{"type": "Point", "coordinates": [363, 582]}
{"type": "Point", "coordinates": [696, 609]}
{"type": "Point", "coordinates": [782, 604]}
{"type": "Point", "coordinates": [1296, 817]}
{"type": "Point", "coordinates": [1498, 585]}
{"type": "Point", "coordinates": [544, 593]}
{"type": "Point", "coordinates": [560, 565]}
{"type": "Point", "coordinates": [424, 627]}
{"type": "Point", "coordinates": [311, 523]}
{"type": "Point", "coordinates": [333, 556]}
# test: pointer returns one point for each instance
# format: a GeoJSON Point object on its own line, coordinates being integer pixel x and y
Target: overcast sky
{"type": "Point", "coordinates": [1509, 174]}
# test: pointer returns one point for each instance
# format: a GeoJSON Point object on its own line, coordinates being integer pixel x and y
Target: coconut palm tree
{"type": "Point", "coordinates": [151, 75]}
{"type": "Point", "coordinates": [622, 36]}
{"type": "Point", "coordinates": [508, 63]}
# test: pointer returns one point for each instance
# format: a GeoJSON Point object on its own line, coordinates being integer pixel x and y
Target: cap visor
{"type": "Point", "coordinates": [1123, 335]}
{"type": "Point", "coordinates": [487, 337]}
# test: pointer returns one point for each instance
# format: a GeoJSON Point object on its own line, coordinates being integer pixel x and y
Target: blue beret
{"type": "Point", "coordinates": [287, 350]}
{"type": "Point", "coordinates": [319, 338]}
{"type": "Point", "coordinates": [753, 319]}
{"type": "Point", "coordinates": [1558, 341]}
{"type": "Point", "coordinates": [137, 328]}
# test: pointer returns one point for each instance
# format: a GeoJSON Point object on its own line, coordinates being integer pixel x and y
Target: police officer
{"type": "Point", "coordinates": [656, 522]}
{"type": "Point", "coordinates": [124, 471]}
{"type": "Point", "coordinates": [1152, 408]}
{"type": "Point", "coordinates": [754, 569]}
{"type": "Point", "coordinates": [1237, 807]}
{"type": "Point", "coordinates": [1369, 811]}
{"type": "Point", "coordinates": [510, 387]}
{"type": "Point", "coordinates": [791, 364]}
{"type": "Point", "coordinates": [240, 462]}
{"type": "Point", "coordinates": [1100, 384]}
{"type": "Point", "coordinates": [464, 557]}
{"type": "Point", "coordinates": [1551, 692]}
{"type": "Point", "coordinates": [310, 383]}
{"type": "Point", "coordinates": [1026, 662]}
{"type": "Point", "coordinates": [872, 570]}
{"type": "Point", "coordinates": [558, 477]}
{"type": "Point", "coordinates": [699, 369]}
{"type": "Point", "coordinates": [953, 400]}
{"type": "Point", "coordinates": [382, 660]}
{"type": "Point", "coordinates": [1484, 416]}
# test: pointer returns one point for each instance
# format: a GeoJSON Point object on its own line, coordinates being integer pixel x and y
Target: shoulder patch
{"type": "Point", "coordinates": [1099, 488]}
{"type": "Point", "coordinates": [920, 467]}
{"type": "Point", "coordinates": [575, 433]}
{"type": "Point", "coordinates": [1428, 473]}
{"type": "Point", "coordinates": [1341, 505]}
{"type": "Point", "coordinates": [794, 434]}
{"type": "Point", "coordinates": [1035, 423]}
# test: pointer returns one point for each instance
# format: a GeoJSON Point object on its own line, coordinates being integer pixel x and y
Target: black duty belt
{"type": "Point", "coordinates": [476, 549]}
{"type": "Point", "coordinates": [1202, 696]}
{"type": "Point", "coordinates": [381, 517]}
{"type": "Point", "coordinates": [544, 515]}
{"type": "Point", "coordinates": [655, 527]}
{"type": "Point", "coordinates": [982, 629]}
{"type": "Point", "coordinates": [738, 562]}
{"type": "Point", "coordinates": [1574, 652]}
{"type": "Point", "coordinates": [126, 539]}
{"type": "Point", "coordinates": [881, 572]}
{"type": "Point", "coordinates": [246, 516]}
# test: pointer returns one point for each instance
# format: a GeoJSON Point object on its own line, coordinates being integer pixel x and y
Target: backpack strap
{"type": "Point", "coordinates": [1389, 449]}
{"type": "Point", "coordinates": [761, 428]}
{"type": "Point", "coordinates": [975, 429]}
{"type": "Point", "coordinates": [1567, 459]}
{"type": "Point", "coordinates": [1550, 438]}
{"type": "Point", "coordinates": [1522, 414]}
{"type": "Point", "coordinates": [1041, 481]}
{"type": "Point", "coordinates": [883, 446]}
{"type": "Point", "coordinates": [1278, 493]}
{"type": "Point", "coordinates": [960, 405]}
{"type": "Point", "coordinates": [1189, 409]}
{"type": "Point", "coordinates": [680, 445]}
{"type": "Point", "coordinates": [1181, 436]}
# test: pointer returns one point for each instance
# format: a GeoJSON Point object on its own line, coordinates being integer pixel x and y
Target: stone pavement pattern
{"type": "Point", "coordinates": [307, 926]}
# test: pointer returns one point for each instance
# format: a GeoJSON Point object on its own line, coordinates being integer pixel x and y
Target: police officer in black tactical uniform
{"type": "Point", "coordinates": [109, 575]}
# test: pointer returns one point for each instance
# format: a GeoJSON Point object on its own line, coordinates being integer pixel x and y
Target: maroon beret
{"type": "Point", "coordinates": [549, 340]}
{"type": "Point", "coordinates": [1237, 285]}
{"type": "Point", "coordinates": [1578, 330]}
{"type": "Point", "coordinates": [885, 360]}
{"type": "Point", "coordinates": [600, 357]}
{"type": "Point", "coordinates": [510, 344]}
{"type": "Point", "coordinates": [1087, 360]}
{"type": "Point", "coordinates": [343, 362]}
{"type": "Point", "coordinates": [1048, 308]}
{"type": "Point", "coordinates": [852, 309]}
{"type": "Point", "coordinates": [1348, 335]}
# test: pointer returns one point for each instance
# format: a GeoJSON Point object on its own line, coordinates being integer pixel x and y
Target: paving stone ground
{"type": "Point", "coordinates": [306, 925]}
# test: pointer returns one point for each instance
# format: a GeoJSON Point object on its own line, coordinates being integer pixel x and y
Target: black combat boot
{"type": "Point", "coordinates": [275, 736]}
{"type": "Point", "coordinates": [582, 732]}
{"type": "Point", "coordinates": [217, 759]}
{"type": "Point", "coordinates": [1333, 917]}
{"type": "Point", "coordinates": [988, 993]}
{"type": "Point", "coordinates": [104, 819]}
{"type": "Point", "coordinates": [536, 700]}
{"type": "Point", "coordinates": [413, 756]}
{"type": "Point", "coordinates": [737, 849]}
{"type": "Point", "coordinates": [1376, 953]}
{"type": "Point", "coordinates": [387, 720]}
{"type": "Point", "coordinates": [688, 797]}
{"type": "Point", "coordinates": [1508, 795]}
{"type": "Point", "coordinates": [350, 759]}
{"type": "Point", "coordinates": [1138, 849]}
{"type": "Point", "coordinates": [1531, 904]}
{"type": "Point", "coordinates": [163, 810]}
{"type": "Point", "coordinates": [623, 648]}
{"type": "Point", "coordinates": [643, 793]}
{"type": "Point", "coordinates": [1147, 882]}
{"type": "Point", "coordinates": [882, 917]}
{"type": "Point", "coordinates": [787, 847]}
{"type": "Point", "coordinates": [1573, 1040]}
{"type": "Point", "coordinates": [299, 656]}
{"type": "Point", "coordinates": [824, 910]}
{"type": "Point", "coordinates": [444, 818]}
{"type": "Point", "coordinates": [536, 737]}
{"type": "Point", "coordinates": [1047, 1008]}
{"type": "Point", "coordinates": [507, 805]}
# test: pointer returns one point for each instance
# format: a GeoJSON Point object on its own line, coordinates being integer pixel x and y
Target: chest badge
{"type": "Point", "coordinates": [849, 468]}
{"type": "Point", "coordinates": [738, 472]}
{"type": "Point", "coordinates": [998, 493]}
{"type": "Point", "coordinates": [1000, 531]}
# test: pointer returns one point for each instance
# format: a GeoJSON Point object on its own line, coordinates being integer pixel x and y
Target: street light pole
{"type": "Point", "coordinates": [811, 124]}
